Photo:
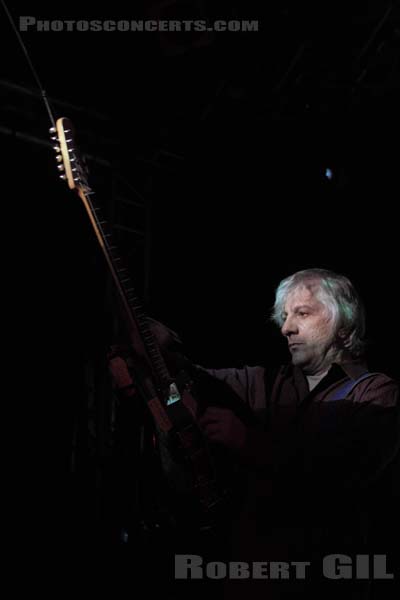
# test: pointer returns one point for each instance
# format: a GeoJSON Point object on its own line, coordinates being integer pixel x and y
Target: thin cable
{"type": "Point", "coordinates": [374, 33]}
{"type": "Point", "coordinates": [32, 68]}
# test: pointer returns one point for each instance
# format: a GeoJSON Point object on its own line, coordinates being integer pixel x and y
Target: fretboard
{"type": "Point", "coordinates": [141, 334]}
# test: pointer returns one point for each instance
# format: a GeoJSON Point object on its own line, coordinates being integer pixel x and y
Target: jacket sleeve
{"type": "Point", "coordinates": [245, 386]}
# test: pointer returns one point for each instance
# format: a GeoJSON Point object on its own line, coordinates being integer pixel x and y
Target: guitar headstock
{"type": "Point", "coordinates": [67, 156]}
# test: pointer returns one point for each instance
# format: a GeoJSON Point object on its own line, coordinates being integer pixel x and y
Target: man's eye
{"type": "Point", "coordinates": [303, 314]}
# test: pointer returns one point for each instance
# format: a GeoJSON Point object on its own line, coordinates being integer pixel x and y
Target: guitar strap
{"type": "Point", "coordinates": [348, 387]}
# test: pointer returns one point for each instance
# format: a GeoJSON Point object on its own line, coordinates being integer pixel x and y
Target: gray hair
{"type": "Point", "coordinates": [338, 294]}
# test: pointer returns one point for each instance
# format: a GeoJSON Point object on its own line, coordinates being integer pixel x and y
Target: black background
{"type": "Point", "coordinates": [246, 201]}
{"type": "Point", "coordinates": [247, 124]}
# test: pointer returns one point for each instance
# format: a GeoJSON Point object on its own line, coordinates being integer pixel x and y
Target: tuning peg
{"type": "Point", "coordinates": [57, 148]}
{"type": "Point", "coordinates": [52, 130]}
{"type": "Point", "coordinates": [54, 138]}
{"type": "Point", "coordinates": [63, 177]}
{"type": "Point", "coordinates": [60, 167]}
{"type": "Point", "coordinates": [59, 158]}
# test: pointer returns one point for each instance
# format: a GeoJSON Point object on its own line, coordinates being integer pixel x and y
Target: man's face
{"type": "Point", "coordinates": [308, 327]}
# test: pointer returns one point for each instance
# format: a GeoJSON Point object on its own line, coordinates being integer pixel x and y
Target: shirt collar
{"type": "Point", "coordinates": [349, 368]}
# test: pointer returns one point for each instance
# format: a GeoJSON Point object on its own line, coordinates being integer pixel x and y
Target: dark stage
{"type": "Point", "coordinates": [224, 161]}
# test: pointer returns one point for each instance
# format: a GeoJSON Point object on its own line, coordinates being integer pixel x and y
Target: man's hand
{"type": "Point", "coordinates": [163, 334]}
{"type": "Point", "coordinates": [119, 369]}
{"type": "Point", "coordinates": [221, 425]}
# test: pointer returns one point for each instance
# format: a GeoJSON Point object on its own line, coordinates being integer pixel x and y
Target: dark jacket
{"type": "Point", "coordinates": [315, 467]}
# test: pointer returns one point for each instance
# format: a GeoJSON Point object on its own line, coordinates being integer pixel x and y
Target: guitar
{"type": "Point", "coordinates": [168, 396]}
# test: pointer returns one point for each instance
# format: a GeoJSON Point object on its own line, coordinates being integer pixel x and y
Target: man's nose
{"type": "Point", "coordinates": [289, 326]}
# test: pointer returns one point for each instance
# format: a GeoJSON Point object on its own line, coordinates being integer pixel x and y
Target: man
{"type": "Point", "coordinates": [327, 438]}
{"type": "Point", "coordinates": [317, 459]}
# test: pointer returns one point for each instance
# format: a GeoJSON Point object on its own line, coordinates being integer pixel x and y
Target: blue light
{"type": "Point", "coordinates": [328, 173]}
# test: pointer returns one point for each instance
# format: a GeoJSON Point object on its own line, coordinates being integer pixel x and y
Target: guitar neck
{"type": "Point", "coordinates": [142, 337]}
{"type": "Point", "coordinates": [168, 400]}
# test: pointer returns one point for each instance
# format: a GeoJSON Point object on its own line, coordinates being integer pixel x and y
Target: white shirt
{"type": "Point", "coordinates": [313, 380]}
